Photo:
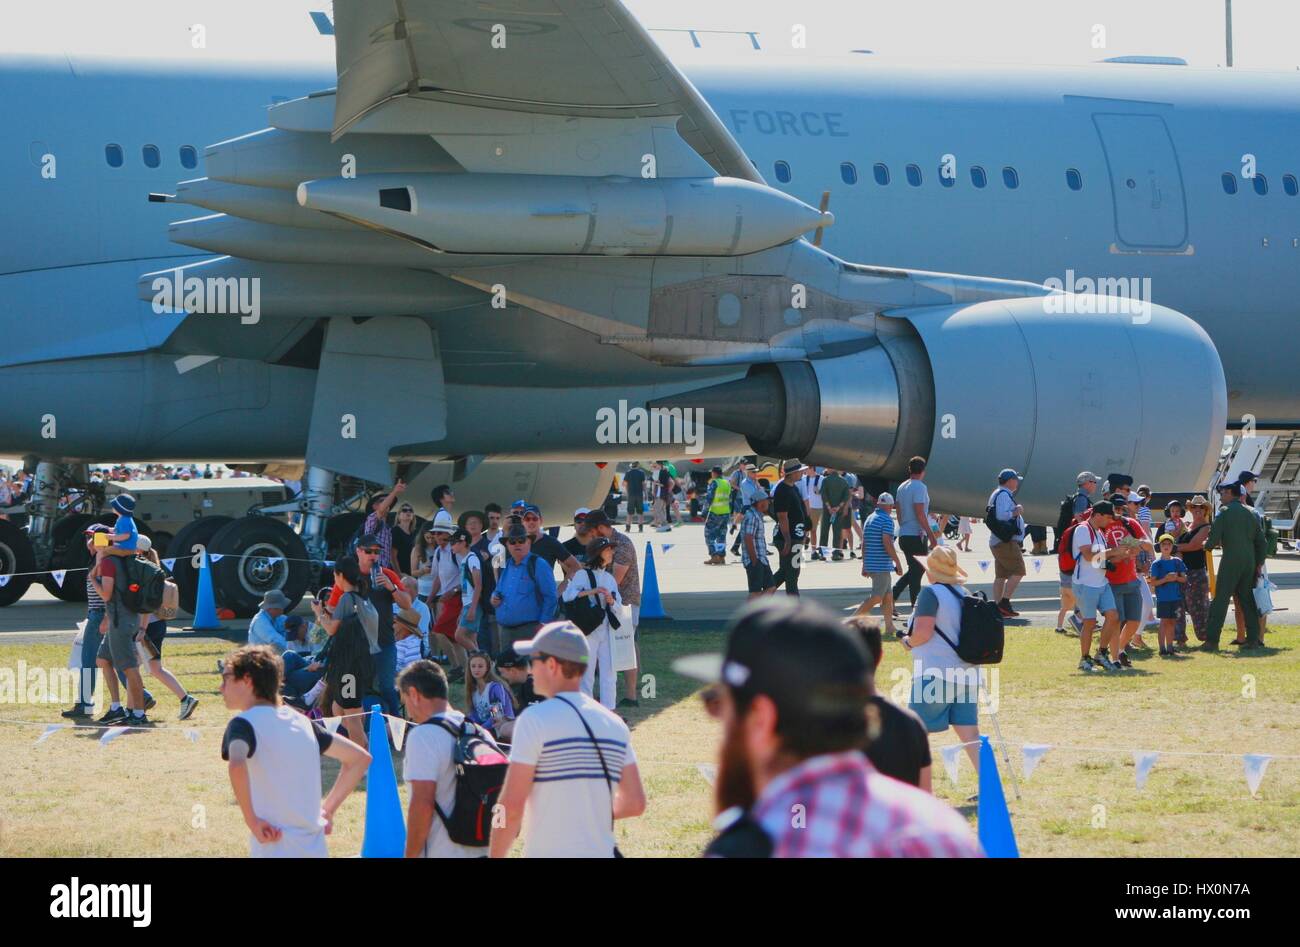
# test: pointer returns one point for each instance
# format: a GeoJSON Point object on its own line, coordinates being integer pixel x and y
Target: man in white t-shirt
{"type": "Point", "coordinates": [429, 768]}
{"type": "Point", "coordinates": [274, 755]}
{"type": "Point", "coordinates": [1092, 592]}
{"type": "Point", "coordinates": [572, 769]}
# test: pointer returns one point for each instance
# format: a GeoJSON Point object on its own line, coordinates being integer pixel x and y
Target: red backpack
{"type": "Point", "coordinates": [1065, 551]}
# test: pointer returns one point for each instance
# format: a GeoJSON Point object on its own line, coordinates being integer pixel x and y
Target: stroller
{"type": "Point", "coordinates": [950, 526]}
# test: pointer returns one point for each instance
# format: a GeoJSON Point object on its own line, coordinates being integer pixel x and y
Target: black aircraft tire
{"type": "Point", "coordinates": [16, 556]}
{"type": "Point", "coordinates": [198, 533]}
{"type": "Point", "coordinates": [246, 571]}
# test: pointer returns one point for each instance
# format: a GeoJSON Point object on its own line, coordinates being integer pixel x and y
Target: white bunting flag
{"type": "Point", "coordinates": [170, 564]}
{"type": "Point", "coordinates": [1143, 760]}
{"type": "Point", "coordinates": [709, 771]}
{"type": "Point", "coordinates": [951, 759]}
{"type": "Point", "coordinates": [1255, 764]}
{"type": "Point", "coordinates": [1038, 565]}
{"type": "Point", "coordinates": [1033, 753]}
{"type": "Point", "coordinates": [49, 731]}
{"type": "Point", "coordinates": [59, 575]}
{"type": "Point", "coordinates": [332, 724]}
{"type": "Point", "coordinates": [397, 730]}
{"type": "Point", "coordinates": [667, 546]}
{"type": "Point", "coordinates": [192, 735]}
{"type": "Point", "coordinates": [984, 565]}
{"type": "Point", "coordinates": [111, 734]}
{"type": "Point", "coordinates": [329, 563]}
{"type": "Point", "coordinates": [216, 556]}
{"type": "Point", "coordinates": [275, 560]}
{"type": "Point", "coordinates": [4, 580]}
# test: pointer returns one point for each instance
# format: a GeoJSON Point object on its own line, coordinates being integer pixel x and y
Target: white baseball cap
{"type": "Point", "coordinates": [885, 499]}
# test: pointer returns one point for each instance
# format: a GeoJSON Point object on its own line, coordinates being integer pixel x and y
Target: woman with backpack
{"type": "Point", "coordinates": [945, 689]}
{"type": "Point", "coordinates": [152, 632]}
{"type": "Point", "coordinates": [353, 627]}
{"type": "Point", "coordinates": [589, 598]}
{"type": "Point", "coordinates": [488, 701]}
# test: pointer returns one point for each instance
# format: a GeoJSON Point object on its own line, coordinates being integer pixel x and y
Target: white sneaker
{"type": "Point", "coordinates": [1087, 664]}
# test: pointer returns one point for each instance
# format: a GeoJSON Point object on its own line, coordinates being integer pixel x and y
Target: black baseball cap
{"type": "Point", "coordinates": [516, 531]}
{"type": "Point", "coordinates": [1234, 488]}
{"type": "Point", "coordinates": [1246, 476]}
{"type": "Point", "coordinates": [509, 659]}
{"type": "Point", "coordinates": [369, 539]}
{"type": "Point", "coordinates": [798, 654]}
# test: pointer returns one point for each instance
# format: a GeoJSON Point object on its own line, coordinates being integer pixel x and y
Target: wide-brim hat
{"type": "Point", "coordinates": [275, 599]}
{"type": "Point", "coordinates": [941, 566]}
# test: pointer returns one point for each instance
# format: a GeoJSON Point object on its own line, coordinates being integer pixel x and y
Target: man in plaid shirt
{"type": "Point", "coordinates": [792, 692]}
{"type": "Point", "coordinates": [753, 546]}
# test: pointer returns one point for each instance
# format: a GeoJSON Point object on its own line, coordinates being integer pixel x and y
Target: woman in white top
{"type": "Point", "coordinates": [945, 689]}
{"type": "Point", "coordinates": [600, 554]}
{"type": "Point", "coordinates": [422, 562]}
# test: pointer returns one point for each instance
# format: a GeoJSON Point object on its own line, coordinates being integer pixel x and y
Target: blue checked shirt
{"type": "Point", "coordinates": [752, 525]}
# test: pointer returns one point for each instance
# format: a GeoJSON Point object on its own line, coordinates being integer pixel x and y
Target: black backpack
{"type": "Point", "coordinates": [1004, 530]}
{"type": "Point", "coordinates": [982, 632]}
{"type": "Point", "coordinates": [140, 585]}
{"type": "Point", "coordinates": [1065, 516]}
{"type": "Point", "coordinates": [586, 611]}
{"type": "Point", "coordinates": [480, 773]}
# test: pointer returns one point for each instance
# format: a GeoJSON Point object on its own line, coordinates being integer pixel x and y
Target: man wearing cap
{"type": "Point", "coordinates": [545, 546]}
{"type": "Point", "coordinates": [792, 692]}
{"type": "Point", "coordinates": [376, 525]}
{"type": "Point", "coordinates": [525, 595]}
{"type": "Point", "coordinates": [1249, 481]}
{"type": "Point", "coordinates": [914, 532]}
{"type": "Point", "coordinates": [634, 491]}
{"type": "Point", "coordinates": [1126, 540]}
{"type": "Point", "coordinates": [792, 526]}
{"type": "Point", "coordinates": [577, 544]}
{"type": "Point", "coordinates": [880, 562]}
{"type": "Point", "coordinates": [267, 626]}
{"type": "Point", "coordinates": [384, 588]}
{"type": "Point", "coordinates": [572, 767]}
{"type": "Point", "coordinates": [746, 486]}
{"type": "Point", "coordinates": [717, 502]}
{"type": "Point", "coordinates": [1008, 559]}
{"type": "Point", "coordinates": [628, 576]}
{"type": "Point", "coordinates": [92, 636]}
{"type": "Point", "coordinates": [753, 549]}
{"type": "Point", "coordinates": [1237, 532]}
{"type": "Point", "coordinates": [515, 670]}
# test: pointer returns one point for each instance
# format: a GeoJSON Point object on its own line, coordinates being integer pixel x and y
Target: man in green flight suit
{"type": "Point", "coordinates": [1237, 532]}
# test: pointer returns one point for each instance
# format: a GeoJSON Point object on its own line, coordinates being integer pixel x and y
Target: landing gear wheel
{"type": "Point", "coordinates": [338, 533]}
{"type": "Point", "coordinates": [259, 554]}
{"type": "Point", "coordinates": [16, 556]}
{"type": "Point", "coordinates": [69, 552]}
{"type": "Point", "coordinates": [197, 533]}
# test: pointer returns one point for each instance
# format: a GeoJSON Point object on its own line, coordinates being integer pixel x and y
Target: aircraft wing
{"type": "Point", "coordinates": [579, 58]}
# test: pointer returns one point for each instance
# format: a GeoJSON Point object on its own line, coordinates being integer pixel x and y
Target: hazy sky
{"type": "Point", "coordinates": [1043, 31]}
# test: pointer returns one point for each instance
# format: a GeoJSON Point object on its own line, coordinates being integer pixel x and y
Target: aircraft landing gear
{"type": "Point", "coordinates": [16, 556]}
{"type": "Point", "coordinates": [259, 554]}
{"type": "Point", "coordinates": [198, 533]}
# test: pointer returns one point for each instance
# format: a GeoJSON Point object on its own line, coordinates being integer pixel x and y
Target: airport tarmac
{"type": "Point", "coordinates": [698, 595]}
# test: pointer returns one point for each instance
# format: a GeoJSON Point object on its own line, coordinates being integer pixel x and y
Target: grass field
{"type": "Point", "coordinates": [161, 793]}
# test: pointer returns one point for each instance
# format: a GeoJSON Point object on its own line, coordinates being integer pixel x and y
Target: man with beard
{"type": "Point", "coordinates": [792, 692]}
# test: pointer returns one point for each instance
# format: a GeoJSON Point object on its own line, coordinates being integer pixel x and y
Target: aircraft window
{"type": "Point", "coordinates": [947, 180]}
{"type": "Point", "coordinates": [1289, 185]}
{"type": "Point", "coordinates": [151, 156]}
{"type": "Point", "coordinates": [189, 157]}
{"type": "Point", "coordinates": [1074, 179]}
{"type": "Point", "coordinates": [1010, 178]}
{"type": "Point", "coordinates": [395, 198]}
{"type": "Point", "coordinates": [977, 176]}
{"type": "Point", "coordinates": [1229, 183]}
{"type": "Point", "coordinates": [113, 155]}
{"type": "Point", "coordinates": [783, 172]}
{"type": "Point", "coordinates": [1261, 184]}
{"type": "Point", "coordinates": [881, 172]}
{"type": "Point", "coordinates": [849, 173]}
{"type": "Point", "coordinates": [913, 175]}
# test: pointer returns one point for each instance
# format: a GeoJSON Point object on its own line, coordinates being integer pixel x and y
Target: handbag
{"type": "Point", "coordinates": [603, 769]}
{"type": "Point", "coordinates": [586, 611]}
{"type": "Point", "coordinates": [1263, 595]}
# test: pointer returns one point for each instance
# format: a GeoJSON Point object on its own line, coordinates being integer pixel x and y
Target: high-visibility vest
{"type": "Point", "coordinates": [721, 497]}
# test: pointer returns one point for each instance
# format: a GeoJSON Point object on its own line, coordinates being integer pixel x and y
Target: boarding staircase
{"type": "Point", "coordinates": [1276, 458]}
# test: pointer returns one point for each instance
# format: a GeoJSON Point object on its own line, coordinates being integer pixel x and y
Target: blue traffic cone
{"type": "Point", "coordinates": [205, 608]}
{"type": "Point", "coordinates": [997, 837]}
{"type": "Point", "coordinates": [385, 828]}
{"type": "Point", "coordinates": [651, 606]}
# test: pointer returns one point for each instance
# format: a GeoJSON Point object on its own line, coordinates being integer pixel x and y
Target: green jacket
{"type": "Point", "coordinates": [835, 490]}
{"type": "Point", "coordinates": [1237, 532]}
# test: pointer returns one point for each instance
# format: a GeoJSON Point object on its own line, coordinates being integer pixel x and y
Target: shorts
{"type": "Point", "coordinates": [118, 646]}
{"type": "Point", "coordinates": [156, 632]}
{"type": "Point", "coordinates": [938, 715]}
{"type": "Point", "coordinates": [1008, 560]}
{"type": "Point", "coordinates": [1128, 601]}
{"type": "Point", "coordinates": [759, 575]}
{"type": "Point", "coordinates": [635, 504]}
{"type": "Point", "coordinates": [1168, 609]}
{"type": "Point", "coordinates": [881, 583]}
{"type": "Point", "coordinates": [448, 615]}
{"type": "Point", "coordinates": [1091, 599]}
{"type": "Point", "coordinates": [1067, 580]}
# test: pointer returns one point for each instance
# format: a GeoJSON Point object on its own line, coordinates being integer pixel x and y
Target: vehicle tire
{"type": "Point", "coordinates": [246, 572]}
{"type": "Point", "coordinates": [200, 533]}
{"type": "Point", "coordinates": [16, 556]}
{"type": "Point", "coordinates": [69, 552]}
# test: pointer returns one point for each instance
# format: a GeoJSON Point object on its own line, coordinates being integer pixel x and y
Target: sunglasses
{"type": "Point", "coordinates": [515, 542]}
{"type": "Point", "coordinates": [531, 516]}
{"type": "Point", "coordinates": [370, 550]}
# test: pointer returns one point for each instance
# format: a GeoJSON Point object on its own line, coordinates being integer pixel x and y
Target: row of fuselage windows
{"type": "Point", "coordinates": [151, 155]}
{"type": "Point", "coordinates": [1260, 183]}
{"type": "Point", "coordinates": [915, 177]}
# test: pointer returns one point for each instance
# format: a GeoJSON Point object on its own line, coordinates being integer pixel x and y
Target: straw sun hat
{"type": "Point", "coordinates": [941, 566]}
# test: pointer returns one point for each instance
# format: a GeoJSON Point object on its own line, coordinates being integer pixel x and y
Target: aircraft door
{"type": "Point", "coordinates": [1146, 181]}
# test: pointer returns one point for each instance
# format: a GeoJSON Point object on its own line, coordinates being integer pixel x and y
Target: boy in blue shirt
{"type": "Point", "coordinates": [125, 537]}
{"type": "Point", "coordinates": [1168, 575]}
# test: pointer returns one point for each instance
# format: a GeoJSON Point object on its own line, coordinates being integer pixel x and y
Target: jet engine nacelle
{"type": "Point", "coordinates": [1005, 383]}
